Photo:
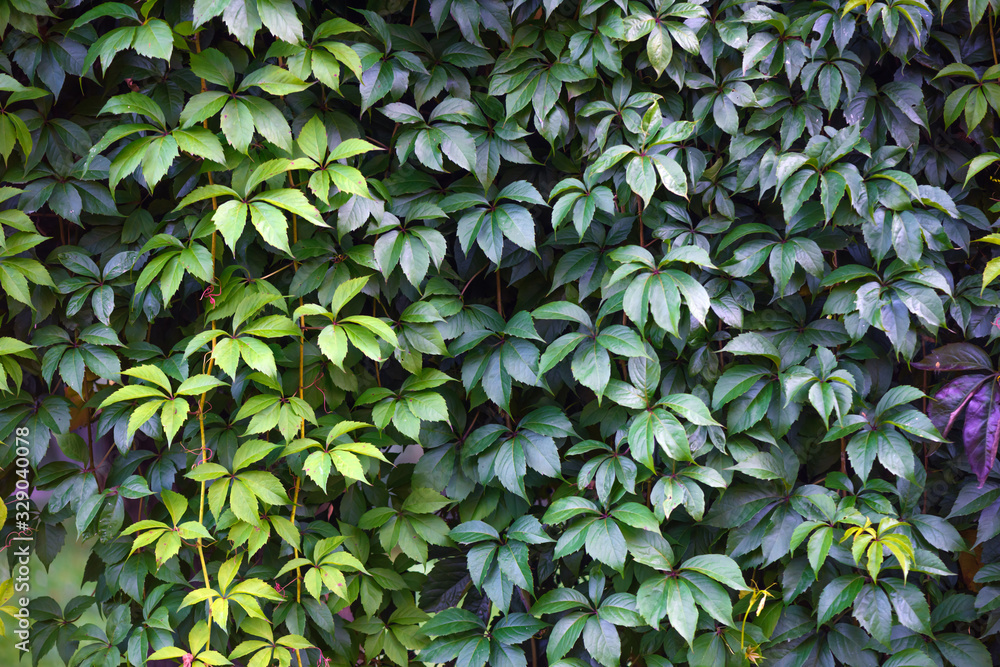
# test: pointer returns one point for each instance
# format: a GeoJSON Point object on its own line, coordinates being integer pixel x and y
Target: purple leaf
{"type": "Point", "coordinates": [982, 430]}
{"type": "Point", "coordinates": [956, 357]}
{"type": "Point", "coordinates": [951, 399]}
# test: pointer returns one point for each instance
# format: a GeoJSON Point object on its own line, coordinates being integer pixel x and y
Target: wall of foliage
{"type": "Point", "coordinates": [505, 332]}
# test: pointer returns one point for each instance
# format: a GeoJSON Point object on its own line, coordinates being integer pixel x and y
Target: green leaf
{"type": "Point", "coordinates": [272, 79]}
{"type": "Point", "coordinates": [150, 373]}
{"type": "Point", "coordinates": [659, 48]}
{"type": "Point", "coordinates": [753, 344]}
{"type": "Point", "coordinates": [641, 177]}
{"type": "Point", "coordinates": [230, 219]}
{"type": "Point", "coordinates": [200, 142]}
{"type": "Point", "coordinates": [243, 503]}
{"type": "Point", "coordinates": [565, 634]}
{"type": "Point", "coordinates": [109, 9]}
{"type": "Point", "coordinates": [838, 595]}
{"type": "Point", "coordinates": [280, 18]}
{"type": "Point", "coordinates": [592, 366]}
{"type": "Point", "coordinates": [173, 415]}
{"type": "Point", "coordinates": [424, 501]}
{"type": "Point", "coordinates": [271, 224]}
{"type": "Point", "coordinates": [681, 611]}
{"type": "Point", "coordinates": [237, 122]}
{"type": "Point", "coordinates": [601, 640]}
{"type": "Point", "coordinates": [154, 39]}
{"type": "Point", "coordinates": [691, 408]}
{"type": "Point", "coordinates": [910, 657]}
{"type": "Point", "coordinates": [606, 543]}
{"type": "Point", "coordinates": [135, 103]}
{"type": "Point", "coordinates": [819, 546]}
{"type": "Point", "coordinates": [977, 164]}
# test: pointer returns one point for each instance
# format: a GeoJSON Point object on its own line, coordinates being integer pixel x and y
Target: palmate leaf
{"type": "Point", "coordinates": [579, 203]}
{"type": "Point", "coordinates": [660, 291]}
{"type": "Point", "coordinates": [658, 427]}
{"type": "Point", "coordinates": [153, 39]}
{"type": "Point", "coordinates": [489, 229]}
{"type": "Point", "coordinates": [675, 598]}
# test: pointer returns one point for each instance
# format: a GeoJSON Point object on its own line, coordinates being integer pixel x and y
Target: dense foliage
{"type": "Point", "coordinates": [506, 332]}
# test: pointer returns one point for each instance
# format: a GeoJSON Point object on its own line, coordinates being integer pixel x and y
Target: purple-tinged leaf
{"type": "Point", "coordinates": [949, 402]}
{"type": "Point", "coordinates": [956, 357]}
{"type": "Point", "coordinates": [982, 430]}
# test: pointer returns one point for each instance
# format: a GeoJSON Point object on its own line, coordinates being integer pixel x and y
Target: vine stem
{"type": "Point", "coordinates": [499, 301]}
{"type": "Point", "coordinates": [105, 458]}
{"type": "Point", "coordinates": [642, 239]}
{"type": "Point", "coordinates": [993, 41]}
{"type": "Point", "coordinates": [201, 502]}
{"type": "Point", "coordinates": [534, 645]}
{"type": "Point", "coordinates": [469, 282]}
{"type": "Point", "coordinates": [201, 399]}
{"type": "Point", "coordinates": [277, 271]}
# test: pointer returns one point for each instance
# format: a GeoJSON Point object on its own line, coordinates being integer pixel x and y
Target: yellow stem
{"type": "Point", "coordinates": [201, 401]}
{"type": "Point", "coordinates": [276, 272]}
{"type": "Point", "coordinates": [204, 459]}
